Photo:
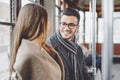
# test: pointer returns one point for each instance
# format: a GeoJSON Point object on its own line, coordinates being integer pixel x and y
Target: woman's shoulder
{"type": "Point", "coordinates": [27, 51]}
{"type": "Point", "coordinates": [50, 50]}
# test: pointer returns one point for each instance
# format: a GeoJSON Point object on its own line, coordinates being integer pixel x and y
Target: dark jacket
{"type": "Point", "coordinates": [83, 75]}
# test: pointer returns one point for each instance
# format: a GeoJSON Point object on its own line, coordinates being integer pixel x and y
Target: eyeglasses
{"type": "Point", "coordinates": [70, 25]}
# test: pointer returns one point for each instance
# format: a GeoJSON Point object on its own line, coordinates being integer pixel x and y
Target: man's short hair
{"type": "Point", "coordinates": [71, 12]}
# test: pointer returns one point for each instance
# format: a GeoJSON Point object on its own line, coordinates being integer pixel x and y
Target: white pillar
{"type": "Point", "coordinates": [93, 34]}
{"type": "Point", "coordinates": [107, 13]}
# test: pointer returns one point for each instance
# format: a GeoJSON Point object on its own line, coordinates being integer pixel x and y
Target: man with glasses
{"type": "Point", "coordinates": [71, 53]}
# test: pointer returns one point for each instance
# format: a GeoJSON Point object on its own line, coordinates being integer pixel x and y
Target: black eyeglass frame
{"type": "Point", "coordinates": [70, 25]}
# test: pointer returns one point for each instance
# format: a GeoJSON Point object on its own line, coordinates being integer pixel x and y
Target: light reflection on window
{"type": "Point", "coordinates": [27, 1]}
{"type": "Point", "coordinates": [116, 30]}
{"type": "Point", "coordinates": [4, 10]}
{"type": "Point", "coordinates": [4, 46]}
{"type": "Point", "coordinates": [4, 38]}
{"type": "Point", "coordinates": [88, 23]}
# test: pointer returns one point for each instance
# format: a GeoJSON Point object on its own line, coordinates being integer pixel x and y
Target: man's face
{"type": "Point", "coordinates": [68, 26]}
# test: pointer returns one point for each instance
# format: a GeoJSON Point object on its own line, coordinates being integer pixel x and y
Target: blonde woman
{"type": "Point", "coordinates": [31, 57]}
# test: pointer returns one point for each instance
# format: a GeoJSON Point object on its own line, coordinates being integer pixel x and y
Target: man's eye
{"type": "Point", "coordinates": [64, 23]}
{"type": "Point", "coordinates": [72, 24]}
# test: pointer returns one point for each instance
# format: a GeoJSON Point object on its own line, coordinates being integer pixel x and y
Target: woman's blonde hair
{"type": "Point", "coordinates": [31, 24]}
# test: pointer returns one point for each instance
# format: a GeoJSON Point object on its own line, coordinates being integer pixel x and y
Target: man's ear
{"type": "Point", "coordinates": [78, 27]}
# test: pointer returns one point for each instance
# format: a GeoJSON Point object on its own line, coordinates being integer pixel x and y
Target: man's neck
{"type": "Point", "coordinates": [72, 39]}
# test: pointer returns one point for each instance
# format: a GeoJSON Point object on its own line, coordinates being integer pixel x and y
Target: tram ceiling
{"type": "Point", "coordinates": [84, 5]}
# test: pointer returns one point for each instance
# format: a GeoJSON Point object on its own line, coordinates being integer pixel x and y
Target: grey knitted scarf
{"type": "Point", "coordinates": [72, 48]}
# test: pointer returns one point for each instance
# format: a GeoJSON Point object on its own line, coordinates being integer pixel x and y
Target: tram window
{"type": "Point", "coordinates": [4, 46]}
{"type": "Point", "coordinates": [5, 32]}
{"type": "Point", "coordinates": [4, 11]}
{"type": "Point", "coordinates": [5, 39]}
{"type": "Point", "coordinates": [82, 27]}
{"type": "Point", "coordinates": [100, 30]}
{"type": "Point", "coordinates": [88, 27]}
{"type": "Point", "coordinates": [57, 14]}
{"type": "Point", "coordinates": [27, 1]}
{"type": "Point", "coordinates": [116, 27]}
